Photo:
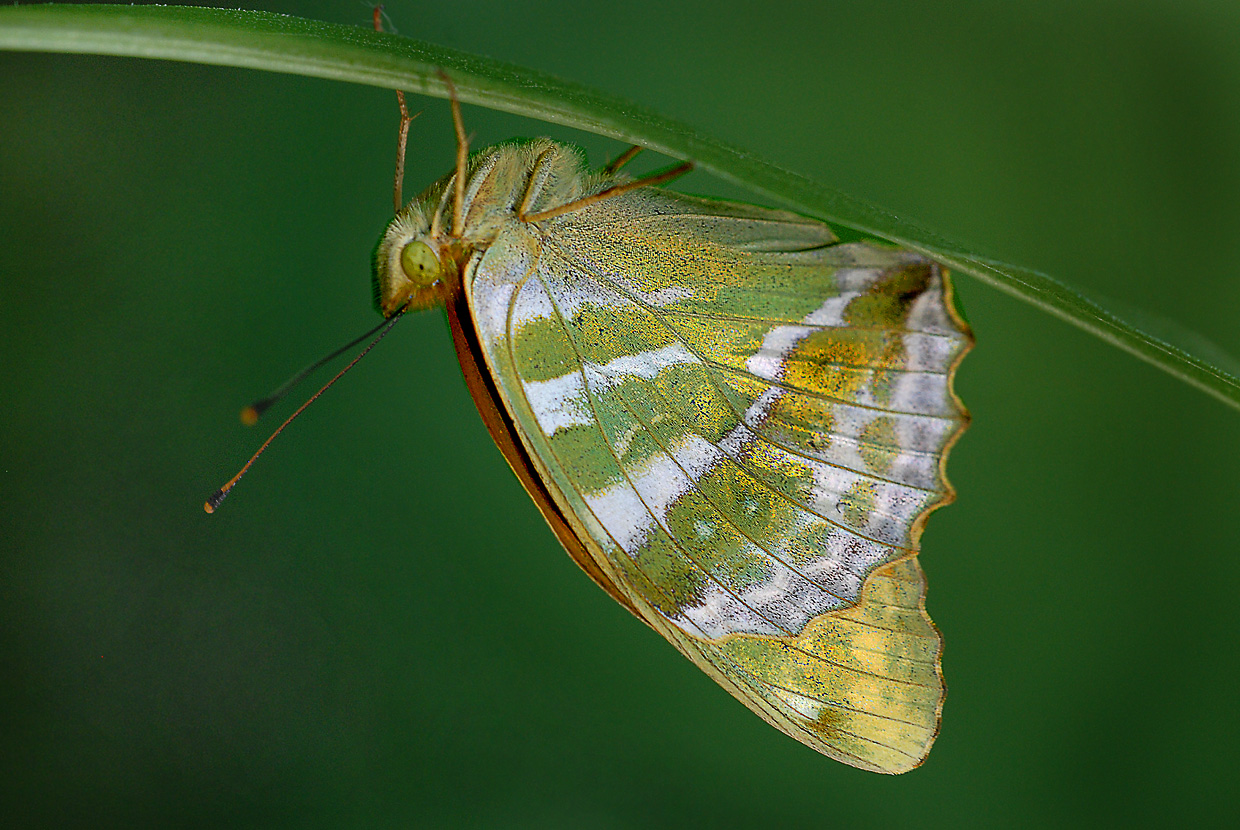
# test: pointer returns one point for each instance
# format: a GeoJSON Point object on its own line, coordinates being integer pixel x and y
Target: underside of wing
{"type": "Point", "coordinates": [744, 423]}
{"type": "Point", "coordinates": [861, 685]}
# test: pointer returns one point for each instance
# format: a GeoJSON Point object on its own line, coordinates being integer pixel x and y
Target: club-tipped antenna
{"type": "Point", "coordinates": [219, 495]}
{"type": "Point", "coordinates": [251, 414]}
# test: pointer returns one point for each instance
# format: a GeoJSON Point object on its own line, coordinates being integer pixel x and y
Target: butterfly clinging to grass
{"type": "Point", "coordinates": [735, 424]}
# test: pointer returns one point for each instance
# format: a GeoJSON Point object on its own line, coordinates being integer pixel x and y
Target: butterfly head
{"type": "Point", "coordinates": [411, 267]}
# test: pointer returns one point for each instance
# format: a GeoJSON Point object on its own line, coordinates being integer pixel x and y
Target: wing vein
{"type": "Point", "coordinates": [803, 725]}
{"type": "Point", "coordinates": [607, 284]}
{"type": "Point", "coordinates": [761, 482]}
{"type": "Point", "coordinates": [654, 437]}
{"type": "Point", "coordinates": [588, 269]}
{"type": "Point", "coordinates": [511, 344]}
{"type": "Point", "coordinates": [652, 513]}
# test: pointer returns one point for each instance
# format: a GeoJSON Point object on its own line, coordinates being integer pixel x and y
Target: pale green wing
{"type": "Point", "coordinates": [746, 423]}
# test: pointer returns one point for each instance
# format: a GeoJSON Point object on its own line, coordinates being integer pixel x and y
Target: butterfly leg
{"type": "Point", "coordinates": [462, 157]}
{"type": "Point", "coordinates": [621, 160]}
{"type": "Point", "coordinates": [653, 179]}
{"type": "Point", "coordinates": [402, 140]}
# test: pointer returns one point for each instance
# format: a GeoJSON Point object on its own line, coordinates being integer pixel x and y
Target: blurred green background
{"type": "Point", "coordinates": [378, 629]}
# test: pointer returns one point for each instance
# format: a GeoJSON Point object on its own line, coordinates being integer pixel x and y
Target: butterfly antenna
{"type": "Point", "coordinates": [251, 414]}
{"type": "Point", "coordinates": [462, 158]}
{"type": "Point", "coordinates": [219, 495]}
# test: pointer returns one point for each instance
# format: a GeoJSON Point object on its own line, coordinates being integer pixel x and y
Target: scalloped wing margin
{"type": "Point", "coordinates": [745, 424]}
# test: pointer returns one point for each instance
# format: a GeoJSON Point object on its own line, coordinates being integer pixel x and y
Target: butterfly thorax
{"type": "Point", "coordinates": [420, 259]}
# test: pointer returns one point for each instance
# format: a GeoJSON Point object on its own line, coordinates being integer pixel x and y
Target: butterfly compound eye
{"type": "Point", "coordinates": [420, 264]}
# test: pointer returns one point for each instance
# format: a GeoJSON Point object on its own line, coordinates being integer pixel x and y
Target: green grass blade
{"type": "Point", "coordinates": [259, 40]}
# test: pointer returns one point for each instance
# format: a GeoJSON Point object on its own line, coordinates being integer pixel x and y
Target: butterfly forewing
{"type": "Point", "coordinates": [745, 422]}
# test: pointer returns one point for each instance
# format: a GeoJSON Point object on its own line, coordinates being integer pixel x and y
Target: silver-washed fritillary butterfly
{"type": "Point", "coordinates": [734, 423]}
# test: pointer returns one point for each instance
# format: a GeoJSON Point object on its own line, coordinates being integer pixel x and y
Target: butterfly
{"type": "Point", "coordinates": [734, 423]}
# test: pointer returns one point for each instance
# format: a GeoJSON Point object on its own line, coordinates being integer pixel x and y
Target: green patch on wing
{"type": "Point", "coordinates": [541, 350]}
{"type": "Point", "coordinates": [879, 445]}
{"type": "Point", "coordinates": [726, 342]}
{"type": "Point", "coordinates": [886, 304]}
{"type": "Point", "coordinates": [874, 348]}
{"type": "Point", "coordinates": [718, 547]}
{"type": "Point", "coordinates": [859, 503]}
{"type": "Point", "coordinates": [585, 457]}
{"type": "Point", "coordinates": [664, 575]}
{"type": "Point", "coordinates": [688, 390]}
{"type": "Point", "coordinates": [602, 333]}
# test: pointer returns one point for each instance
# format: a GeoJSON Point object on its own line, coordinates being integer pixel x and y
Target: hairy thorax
{"type": "Point", "coordinates": [424, 253]}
